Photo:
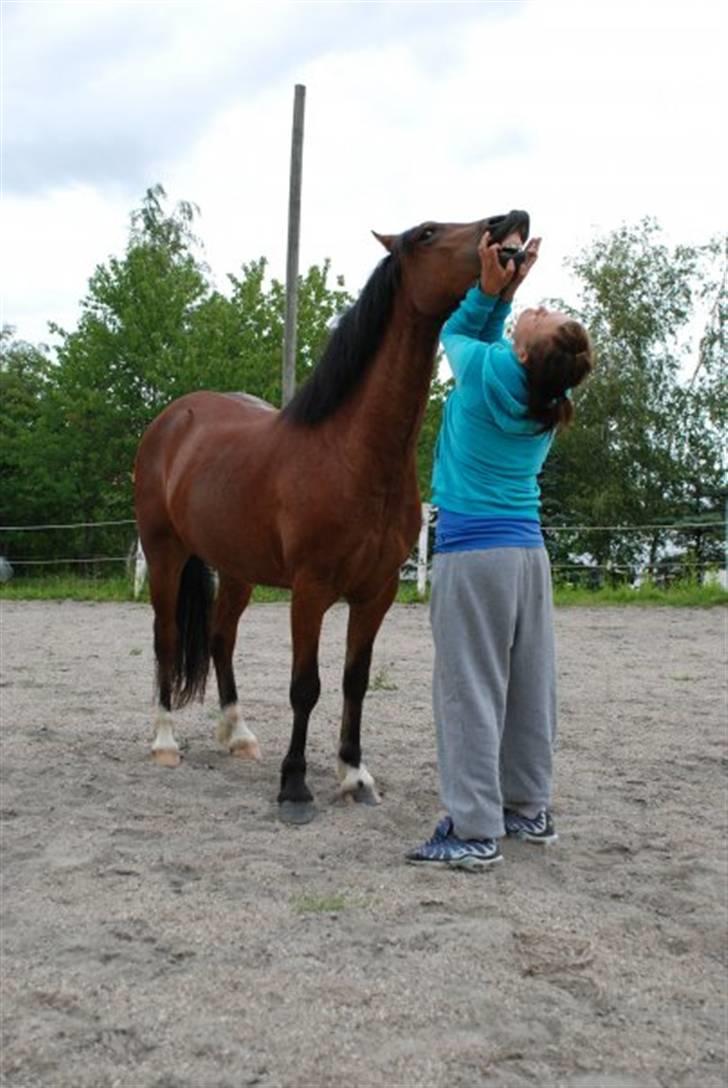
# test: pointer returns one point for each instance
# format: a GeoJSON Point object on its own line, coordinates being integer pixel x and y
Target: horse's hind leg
{"type": "Point", "coordinates": [365, 619]}
{"type": "Point", "coordinates": [165, 569]}
{"type": "Point", "coordinates": [232, 599]}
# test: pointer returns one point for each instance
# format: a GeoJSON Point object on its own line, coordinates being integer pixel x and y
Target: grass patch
{"type": "Point", "coordinates": [270, 595]}
{"type": "Point", "coordinates": [686, 594]}
{"type": "Point", "coordinates": [67, 587]}
{"type": "Point", "coordinates": [683, 594]}
{"type": "Point", "coordinates": [75, 587]}
{"type": "Point", "coordinates": [319, 904]}
{"type": "Point", "coordinates": [407, 594]}
{"type": "Point", "coordinates": [382, 680]}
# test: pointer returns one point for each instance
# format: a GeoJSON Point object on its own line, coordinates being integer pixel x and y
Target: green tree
{"type": "Point", "coordinates": [119, 367]}
{"type": "Point", "coordinates": [151, 328]}
{"type": "Point", "coordinates": [702, 405]}
{"type": "Point", "coordinates": [23, 381]}
{"type": "Point", "coordinates": [27, 487]}
{"type": "Point", "coordinates": [254, 337]}
{"type": "Point", "coordinates": [627, 459]}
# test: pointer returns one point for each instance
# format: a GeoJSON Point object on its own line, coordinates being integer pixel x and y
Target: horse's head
{"type": "Point", "coordinates": [439, 261]}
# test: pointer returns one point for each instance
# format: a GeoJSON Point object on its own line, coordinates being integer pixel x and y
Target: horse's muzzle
{"type": "Point", "coordinates": [514, 222]}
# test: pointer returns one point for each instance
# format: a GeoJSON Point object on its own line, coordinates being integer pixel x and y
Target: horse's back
{"type": "Point", "coordinates": [205, 407]}
{"type": "Point", "coordinates": [198, 413]}
{"type": "Point", "coordinates": [250, 400]}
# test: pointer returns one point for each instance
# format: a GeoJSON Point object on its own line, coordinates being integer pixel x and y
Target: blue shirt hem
{"type": "Point", "coordinates": [466, 532]}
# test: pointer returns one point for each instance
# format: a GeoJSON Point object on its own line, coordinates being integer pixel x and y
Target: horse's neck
{"type": "Point", "coordinates": [386, 412]}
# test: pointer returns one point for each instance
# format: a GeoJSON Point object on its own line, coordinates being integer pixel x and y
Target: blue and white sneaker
{"type": "Point", "coordinates": [445, 848]}
{"type": "Point", "coordinates": [539, 829]}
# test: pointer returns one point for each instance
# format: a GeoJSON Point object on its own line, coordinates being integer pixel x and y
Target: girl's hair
{"type": "Point", "coordinates": [555, 365]}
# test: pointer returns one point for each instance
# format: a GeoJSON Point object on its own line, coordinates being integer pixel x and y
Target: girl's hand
{"type": "Point", "coordinates": [527, 264]}
{"type": "Point", "coordinates": [494, 279]}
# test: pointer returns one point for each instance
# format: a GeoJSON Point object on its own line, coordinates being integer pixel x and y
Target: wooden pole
{"type": "Point", "coordinates": [294, 231]}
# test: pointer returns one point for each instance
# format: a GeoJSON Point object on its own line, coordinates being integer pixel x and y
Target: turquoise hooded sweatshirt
{"type": "Point", "coordinates": [489, 453]}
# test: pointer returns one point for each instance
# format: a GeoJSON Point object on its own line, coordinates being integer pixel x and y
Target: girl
{"type": "Point", "coordinates": [494, 693]}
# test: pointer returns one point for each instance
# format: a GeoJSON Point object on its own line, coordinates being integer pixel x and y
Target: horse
{"type": "Point", "coordinates": [320, 497]}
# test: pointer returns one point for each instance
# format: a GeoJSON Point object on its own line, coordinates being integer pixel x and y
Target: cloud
{"type": "Point", "coordinates": [111, 94]}
{"type": "Point", "coordinates": [52, 244]}
{"type": "Point", "coordinates": [588, 115]}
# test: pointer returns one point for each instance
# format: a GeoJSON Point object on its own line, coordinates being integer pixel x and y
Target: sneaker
{"type": "Point", "coordinates": [445, 848]}
{"type": "Point", "coordinates": [539, 829]}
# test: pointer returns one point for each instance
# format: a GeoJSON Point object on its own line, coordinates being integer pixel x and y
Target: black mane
{"type": "Point", "coordinates": [350, 348]}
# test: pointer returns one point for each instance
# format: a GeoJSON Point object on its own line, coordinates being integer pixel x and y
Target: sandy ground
{"type": "Point", "coordinates": [161, 929]}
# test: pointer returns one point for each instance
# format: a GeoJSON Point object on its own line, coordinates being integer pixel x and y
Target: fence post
{"type": "Point", "coordinates": [140, 569]}
{"type": "Point", "coordinates": [422, 549]}
{"type": "Point", "coordinates": [294, 231]}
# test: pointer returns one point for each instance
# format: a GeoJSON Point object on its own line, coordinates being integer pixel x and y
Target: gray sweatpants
{"type": "Point", "coordinates": [494, 684]}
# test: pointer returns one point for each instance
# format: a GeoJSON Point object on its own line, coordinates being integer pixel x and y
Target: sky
{"type": "Point", "coordinates": [587, 114]}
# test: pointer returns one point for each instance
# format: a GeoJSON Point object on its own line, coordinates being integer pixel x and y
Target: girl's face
{"type": "Point", "coordinates": [533, 325]}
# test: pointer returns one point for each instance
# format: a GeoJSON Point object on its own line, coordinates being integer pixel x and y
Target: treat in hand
{"type": "Point", "coordinates": [511, 253]}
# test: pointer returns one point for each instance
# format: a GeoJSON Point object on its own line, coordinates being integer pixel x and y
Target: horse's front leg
{"type": "Point", "coordinates": [308, 606]}
{"type": "Point", "coordinates": [364, 622]}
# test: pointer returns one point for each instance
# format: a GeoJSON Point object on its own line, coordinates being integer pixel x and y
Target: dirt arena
{"type": "Point", "coordinates": [161, 929]}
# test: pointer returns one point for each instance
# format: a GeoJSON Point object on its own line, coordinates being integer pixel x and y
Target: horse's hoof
{"type": "Point", "coordinates": [245, 749]}
{"type": "Point", "coordinates": [167, 757]}
{"type": "Point", "coordinates": [365, 794]}
{"type": "Point", "coordinates": [356, 784]}
{"type": "Point", "coordinates": [296, 812]}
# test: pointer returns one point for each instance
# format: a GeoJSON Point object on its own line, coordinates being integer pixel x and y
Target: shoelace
{"type": "Point", "coordinates": [442, 831]}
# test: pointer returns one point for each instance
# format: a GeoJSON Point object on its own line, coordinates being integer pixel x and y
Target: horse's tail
{"type": "Point", "coordinates": [194, 607]}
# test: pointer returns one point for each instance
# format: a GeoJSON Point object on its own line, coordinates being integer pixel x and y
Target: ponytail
{"type": "Point", "coordinates": [554, 367]}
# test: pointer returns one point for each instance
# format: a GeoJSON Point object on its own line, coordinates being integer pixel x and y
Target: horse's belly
{"type": "Point", "coordinates": [237, 540]}
{"type": "Point", "coordinates": [368, 560]}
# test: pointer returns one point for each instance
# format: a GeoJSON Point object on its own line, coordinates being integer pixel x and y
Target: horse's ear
{"type": "Point", "coordinates": [387, 240]}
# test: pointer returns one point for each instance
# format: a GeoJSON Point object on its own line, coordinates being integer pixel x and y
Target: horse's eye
{"type": "Point", "coordinates": [428, 234]}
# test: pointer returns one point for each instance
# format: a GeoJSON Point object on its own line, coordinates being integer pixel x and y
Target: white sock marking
{"type": "Point", "coordinates": [233, 731]}
{"type": "Point", "coordinates": [351, 777]}
{"type": "Point", "coordinates": [163, 733]}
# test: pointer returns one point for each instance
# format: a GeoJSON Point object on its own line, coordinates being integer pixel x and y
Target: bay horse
{"type": "Point", "coordinates": [320, 497]}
